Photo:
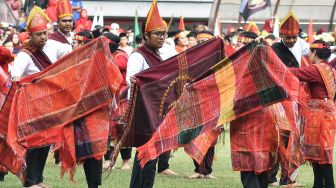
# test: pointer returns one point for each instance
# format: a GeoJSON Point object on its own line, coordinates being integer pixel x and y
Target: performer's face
{"type": "Point", "coordinates": [183, 40]}
{"type": "Point", "coordinates": [289, 40]}
{"type": "Point", "coordinates": [39, 38]}
{"type": "Point", "coordinates": [156, 38]}
{"type": "Point", "coordinates": [192, 41]}
{"type": "Point", "coordinates": [65, 24]}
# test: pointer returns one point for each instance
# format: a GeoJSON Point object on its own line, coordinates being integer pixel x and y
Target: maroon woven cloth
{"type": "Point", "coordinates": [158, 87]}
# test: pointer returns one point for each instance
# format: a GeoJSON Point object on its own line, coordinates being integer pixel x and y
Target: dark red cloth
{"type": "Point", "coordinates": [311, 75]}
{"type": "Point", "coordinates": [40, 59]}
{"type": "Point", "coordinates": [120, 58]}
{"type": "Point", "coordinates": [58, 36]}
{"type": "Point", "coordinates": [152, 58]}
{"type": "Point", "coordinates": [157, 88]}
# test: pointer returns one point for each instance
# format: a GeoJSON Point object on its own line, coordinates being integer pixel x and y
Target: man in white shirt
{"type": "Point", "coordinates": [60, 42]}
{"type": "Point", "coordinates": [290, 50]}
{"type": "Point", "coordinates": [30, 60]}
{"type": "Point", "coordinates": [154, 34]}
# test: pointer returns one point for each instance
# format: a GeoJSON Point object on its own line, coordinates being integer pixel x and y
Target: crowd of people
{"type": "Point", "coordinates": [47, 35]}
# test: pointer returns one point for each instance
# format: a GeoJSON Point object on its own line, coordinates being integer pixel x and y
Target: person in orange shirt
{"type": "Point", "coordinates": [181, 41]}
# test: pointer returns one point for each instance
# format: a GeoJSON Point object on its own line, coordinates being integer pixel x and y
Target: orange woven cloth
{"type": "Point", "coordinates": [254, 142]}
{"type": "Point", "coordinates": [319, 131]}
{"type": "Point", "coordinates": [43, 106]}
{"type": "Point", "coordinates": [319, 121]}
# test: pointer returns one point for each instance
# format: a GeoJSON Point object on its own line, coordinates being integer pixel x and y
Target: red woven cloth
{"type": "Point", "coordinates": [157, 88]}
{"type": "Point", "coordinates": [247, 81]}
{"type": "Point", "coordinates": [5, 84]}
{"type": "Point", "coordinates": [254, 142]}
{"type": "Point", "coordinates": [319, 121]}
{"type": "Point", "coordinates": [44, 105]}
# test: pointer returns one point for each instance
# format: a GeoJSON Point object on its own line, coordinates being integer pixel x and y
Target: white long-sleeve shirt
{"type": "Point", "coordinates": [24, 65]}
{"type": "Point", "coordinates": [56, 49]}
{"type": "Point", "coordinates": [137, 63]}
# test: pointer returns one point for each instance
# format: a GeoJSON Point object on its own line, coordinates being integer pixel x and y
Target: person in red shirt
{"type": "Point", "coordinates": [120, 58]}
{"type": "Point", "coordinates": [83, 23]}
{"type": "Point", "coordinates": [319, 113]}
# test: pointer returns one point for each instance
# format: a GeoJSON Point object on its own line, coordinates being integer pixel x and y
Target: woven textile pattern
{"type": "Point", "coordinates": [250, 79]}
{"type": "Point", "coordinates": [158, 88]}
{"type": "Point", "coordinates": [44, 104]}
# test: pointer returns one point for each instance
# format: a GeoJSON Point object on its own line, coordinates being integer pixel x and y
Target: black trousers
{"type": "Point", "coordinates": [284, 177]}
{"type": "Point", "coordinates": [205, 167]}
{"type": "Point", "coordinates": [126, 153]}
{"type": "Point", "coordinates": [163, 161]}
{"type": "Point", "coordinates": [36, 160]}
{"type": "Point", "coordinates": [93, 172]}
{"type": "Point", "coordinates": [2, 176]}
{"type": "Point", "coordinates": [252, 180]}
{"type": "Point", "coordinates": [144, 177]}
{"type": "Point", "coordinates": [57, 157]}
{"type": "Point", "coordinates": [323, 175]}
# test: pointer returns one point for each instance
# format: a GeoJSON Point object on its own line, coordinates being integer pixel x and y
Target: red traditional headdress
{"type": "Point", "coordinates": [252, 27]}
{"type": "Point", "coordinates": [64, 9]}
{"type": "Point", "coordinates": [290, 24]}
{"type": "Point", "coordinates": [37, 20]}
{"type": "Point", "coordinates": [154, 20]}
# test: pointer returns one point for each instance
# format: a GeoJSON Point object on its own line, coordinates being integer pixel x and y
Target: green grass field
{"type": "Point", "coordinates": [180, 163]}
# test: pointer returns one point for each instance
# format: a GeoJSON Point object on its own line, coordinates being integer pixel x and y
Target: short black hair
{"type": "Point", "coordinates": [192, 34]}
{"type": "Point", "coordinates": [138, 39]}
{"type": "Point", "coordinates": [248, 34]}
{"type": "Point", "coordinates": [105, 30]}
{"type": "Point", "coordinates": [122, 35]}
{"type": "Point", "coordinates": [115, 44]}
{"type": "Point", "coordinates": [87, 34]}
{"type": "Point", "coordinates": [173, 33]}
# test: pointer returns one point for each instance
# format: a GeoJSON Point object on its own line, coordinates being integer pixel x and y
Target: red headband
{"type": "Point", "coordinates": [319, 45]}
